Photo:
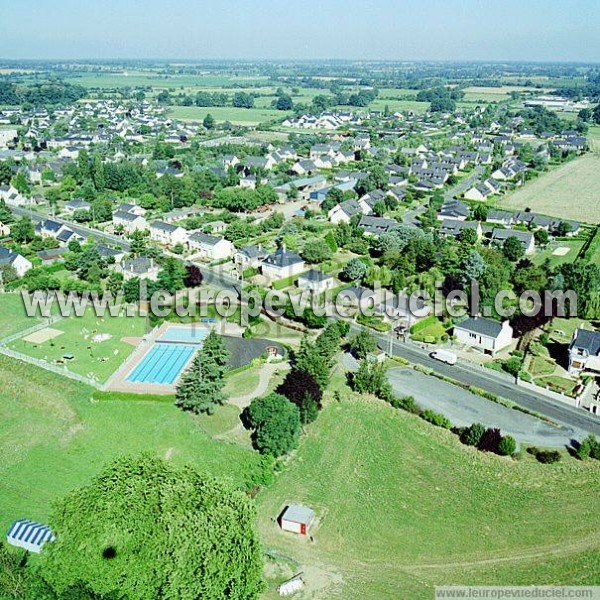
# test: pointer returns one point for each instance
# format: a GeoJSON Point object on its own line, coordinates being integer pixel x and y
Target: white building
{"type": "Point", "coordinates": [281, 264]}
{"type": "Point", "coordinates": [484, 334]}
{"type": "Point", "coordinates": [167, 234]}
{"type": "Point", "coordinates": [584, 352]}
{"type": "Point", "coordinates": [210, 247]}
{"type": "Point", "coordinates": [315, 281]}
{"type": "Point", "coordinates": [19, 263]}
{"type": "Point", "coordinates": [129, 221]}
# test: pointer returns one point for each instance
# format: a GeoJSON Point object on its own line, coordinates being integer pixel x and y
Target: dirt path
{"type": "Point", "coordinates": [265, 374]}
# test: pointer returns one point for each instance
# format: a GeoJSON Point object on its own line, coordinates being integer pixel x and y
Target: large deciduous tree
{"type": "Point", "coordinates": [147, 530]}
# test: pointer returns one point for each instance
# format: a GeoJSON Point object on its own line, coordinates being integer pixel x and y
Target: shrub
{"type": "Point", "coordinates": [589, 448]}
{"type": "Point", "coordinates": [471, 436]}
{"type": "Point", "coordinates": [548, 457]}
{"type": "Point", "coordinates": [507, 446]}
{"type": "Point", "coordinates": [436, 419]}
{"type": "Point", "coordinates": [407, 403]}
{"type": "Point", "coordinates": [490, 440]}
{"type": "Point", "coordinates": [513, 365]}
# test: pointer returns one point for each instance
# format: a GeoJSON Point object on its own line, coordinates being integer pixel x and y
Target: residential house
{"type": "Point", "coordinates": [375, 226]}
{"type": "Point", "coordinates": [140, 267]}
{"type": "Point", "coordinates": [281, 264]}
{"type": "Point", "coordinates": [250, 257]}
{"type": "Point", "coordinates": [129, 221]}
{"type": "Point", "coordinates": [210, 247]}
{"type": "Point", "coordinates": [499, 237]}
{"type": "Point", "coordinates": [77, 204]}
{"type": "Point", "coordinates": [343, 212]}
{"type": "Point", "coordinates": [167, 234]}
{"type": "Point", "coordinates": [584, 352]}
{"type": "Point", "coordinates": [12, 259]}
{"type": "Point", "coordinates": [315, 281]}
{"type": "Point", "coordinates": [453, 227]}
{"type": "Point", "coordinates": [453, 209]}
{"type": "Point", "coordinates": [483, 334]}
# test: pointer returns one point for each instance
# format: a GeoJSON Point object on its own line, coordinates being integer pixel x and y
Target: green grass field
{"type": "Point", "coordinates": [569, 191]}
{"type": "Point", "coordinates": [237, 116]}
{"type": "Point", "coordinates": [547, 253]}
{"type": "Point", "coordinates": [98, 360]}
{"type": "Point", "coordinates": [13, 317]}
{"type": "Point", "coordinates": [54, 436]}
{"type": "Point", "coordinates": [403, 506]}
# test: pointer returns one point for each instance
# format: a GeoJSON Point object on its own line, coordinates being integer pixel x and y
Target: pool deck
{"type": "Point", "coordinates": [118, 381]}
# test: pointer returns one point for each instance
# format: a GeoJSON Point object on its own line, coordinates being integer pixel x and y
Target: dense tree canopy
{"type": "Point", "coordinates": [148, 530]}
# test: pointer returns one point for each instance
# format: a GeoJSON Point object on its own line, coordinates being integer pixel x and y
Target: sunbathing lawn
{"type": "Point", "coordinates": [98, 360]}
{"type": "Point", "coordinates": [12, 315]}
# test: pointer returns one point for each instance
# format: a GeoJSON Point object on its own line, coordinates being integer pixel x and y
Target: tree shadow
{"type": "Point", "coordinates": [560, 353]}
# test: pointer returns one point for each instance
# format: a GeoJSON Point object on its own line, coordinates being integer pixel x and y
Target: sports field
{"type": "Point", "coordinates": [402, 506]}
{"type": "Point", "coordinates": [571, 191]}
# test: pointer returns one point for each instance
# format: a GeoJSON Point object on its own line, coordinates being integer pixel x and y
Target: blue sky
{"type": "Point", "coordinates": [544, 30]}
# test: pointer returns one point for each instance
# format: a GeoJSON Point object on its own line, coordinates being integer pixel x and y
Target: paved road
{"type": "Point", "coordinates": [82, 230]}
{"type": "Point", "coordinates": [462, 186]}
{"type": "Point", "coordinates": [497, 384]}
{"type": "Point", "coordinates": [464, 408]}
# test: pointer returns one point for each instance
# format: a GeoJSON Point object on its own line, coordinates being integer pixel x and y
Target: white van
{"type": "Point", "coordinates": [445, 356]}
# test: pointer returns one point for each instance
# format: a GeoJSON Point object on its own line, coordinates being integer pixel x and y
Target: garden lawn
{"type": "Point", "coordinates": [402, 506]}
{"type": "Point", "coordinates": [98, 360]}
{"type": "Point", "coordinates": [54, 436]}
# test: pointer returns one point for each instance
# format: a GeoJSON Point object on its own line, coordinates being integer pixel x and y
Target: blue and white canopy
{"type": "Point", "coordinates": [29, 535]}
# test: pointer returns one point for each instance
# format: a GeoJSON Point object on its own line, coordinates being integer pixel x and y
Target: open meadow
{"type": "Point", "coordinates": [402, 506]}
{"type": "Point", "coordinates": [55, 434]}
{"type": "Point", "coordinates": [571, 191]}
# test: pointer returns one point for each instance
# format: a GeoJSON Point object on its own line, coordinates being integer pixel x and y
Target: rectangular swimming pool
{"type": "Point", "coordinates": [163, 363]}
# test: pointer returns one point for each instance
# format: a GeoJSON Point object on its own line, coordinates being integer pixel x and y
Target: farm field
{"type": "Point", "coordinates": [75, 335]}
{"type": "Point", "coordinates": [568, 192]}
{"type": "Point", "coordinates": [403, 506]}
{"type": "Point", "coordinates": [55, 434]}
{"type": "Point", "coordinates": [237, 116]}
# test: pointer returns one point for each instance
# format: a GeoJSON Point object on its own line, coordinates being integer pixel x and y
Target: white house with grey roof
{"type": "Point", "coordinates": [343, 212]}
{"type": "Point", "coordinates": [584, 352]}
{"type": "Point", "coordinates": [315, 281]}
{"type": "Point", "coordinates": [130, 222]}
{"type": "Point", "coordinates": [12, 259]}
{"type": "Point", "coordinates": [168, 234]}
{"type": "Point", "coordinates": [210, 247]}
{"type": "Point", "coordinates": [486, 335]}
{"type": "Point", "coordinates": [281, 264]}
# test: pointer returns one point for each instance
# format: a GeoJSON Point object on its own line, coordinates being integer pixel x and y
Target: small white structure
{"type": "Point", "coordinates": [484, 334]}
{"type": "Point", "coordinates": [297, 519]}
{"type": "Point", "coordinates": [29, 535]}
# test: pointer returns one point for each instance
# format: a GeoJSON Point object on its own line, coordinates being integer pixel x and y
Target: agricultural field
{"type": "Point", "coordinates": [95, 343]}
{"type": "Point", "coordinates": [236, 116]}
{"type": "Point", "coordinates": [569, 191]}
{"type": "Point", "coordinates": [402, 506]}
{"type": "Point", "coordinates": [55, 434]}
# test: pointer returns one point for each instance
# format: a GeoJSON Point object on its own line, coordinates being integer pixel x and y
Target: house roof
{"type": "Point", "coordinates": [7, 257]}
{"type": "Point", "coordinates": [282, 258]}
{"type": "Point", "coordinates": [587, 340]}
{"type": "Point", "coordinates": [140, 264]}
{"type": "Point", "coordinates": [482, 326]}
{"type": "Point", "coordinates": [298, 514]}
{"type": "Point", "coordinates": [315, 276]}
{"type": "Point", "coordinates": [205, 238]}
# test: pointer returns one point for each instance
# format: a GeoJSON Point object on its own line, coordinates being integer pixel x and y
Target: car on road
{"type": "Point", "coordinates": [445, 356]}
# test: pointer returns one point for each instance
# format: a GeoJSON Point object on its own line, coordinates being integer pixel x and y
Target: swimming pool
{"type": "Point", "coordinates": [169, 355]}
{"type": "Point", "coordinates": [163, 363]}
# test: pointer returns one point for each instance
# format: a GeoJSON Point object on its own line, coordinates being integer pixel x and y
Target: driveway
{"type": "Point", "coordinates": [464, 408]}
